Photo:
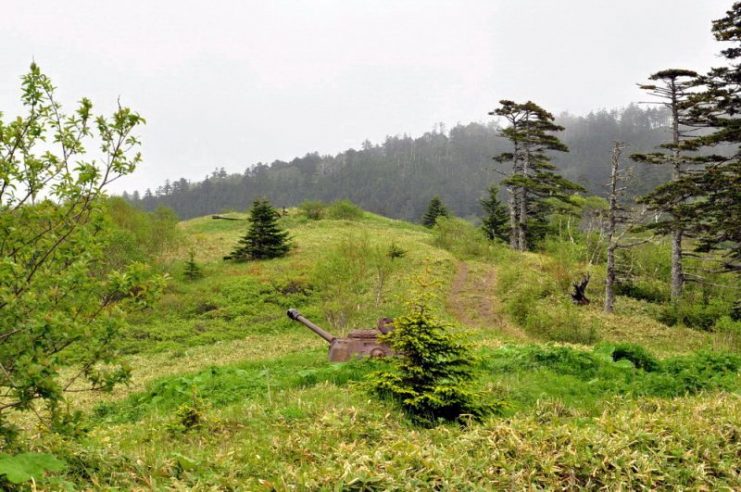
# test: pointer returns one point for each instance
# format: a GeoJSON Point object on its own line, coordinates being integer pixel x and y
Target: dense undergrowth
{"type": "Point", "coordinates": [571, 417]}
{"type": "Point", "coordinates": [228, 393]}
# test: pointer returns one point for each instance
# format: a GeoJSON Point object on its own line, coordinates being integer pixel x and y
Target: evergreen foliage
{"type": "Point", "coordinates": [714, 213]}
{"type": "Point", "coordinates": [495, 222]}
{"type": "Point", "coordinates": [429, 375]}
{"type": "Point", "coordinates": [533, 183]}
{"type": "Point", "coordinates": [434, 210]}
{"type": "Point", "coordinates": [675, 88]}
{"type": "Point", "coordinates": [395, 251]}
{"type": "Point", "coordinates": [264, 239]}
{"type": "Point", "coordinates": [192, 270]}
{"type": "Point", "coordinates": [392, 177]}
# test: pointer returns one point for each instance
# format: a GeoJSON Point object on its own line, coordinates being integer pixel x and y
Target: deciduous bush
{"type": "Point", "coordinates": [313, 209]}
{"type": "Point", "coordinates": [460, 238]}
{"type": "Point", "coordinates": [59, 304]}
{"type": "Point", "coordinates": [344, 210]}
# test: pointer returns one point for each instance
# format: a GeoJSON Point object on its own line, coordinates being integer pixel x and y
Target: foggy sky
{"type": "Point", "coordinates": [231, 83]}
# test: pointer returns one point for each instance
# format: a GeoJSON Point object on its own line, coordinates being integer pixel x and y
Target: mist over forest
{"type": "Point", "coordinates": [398, 177]}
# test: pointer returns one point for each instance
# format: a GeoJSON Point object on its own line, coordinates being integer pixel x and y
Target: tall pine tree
{"type": "Point", "coordinates": [674, 88]}
{"type": "Point", "coordinates": [533, 179]}
{"type": "Point", "coordinates": [264, 239]}
{"type": "Point", "coordinates": [716, 211]}
{"type": "Point", "coordinates": [707, 198]}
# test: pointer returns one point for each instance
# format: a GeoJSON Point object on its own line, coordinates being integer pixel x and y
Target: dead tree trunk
{"type": "Point", "coordinates": [611, 226]}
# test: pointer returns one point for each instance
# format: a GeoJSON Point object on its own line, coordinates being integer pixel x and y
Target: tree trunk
{"type": "Point", "coordinates": [677, 273]}
{"type": "Point", "coordinates": [522, 219]}
{"type": "Point", "coordinates": [610, 280]}
{"type": "Point", "coordinates": [512, 218]}
{"type": "Point", "coordinates": [515, 202]}
{"type": "Point", "coordinates": [611, 225]}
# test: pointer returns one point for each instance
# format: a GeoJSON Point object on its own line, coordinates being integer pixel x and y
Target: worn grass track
{"type": "Point", "coordinates": [473, 302]}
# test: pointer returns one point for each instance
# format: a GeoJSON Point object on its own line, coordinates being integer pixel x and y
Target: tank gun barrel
{"type": "Point", "coordinates": [296, 316]}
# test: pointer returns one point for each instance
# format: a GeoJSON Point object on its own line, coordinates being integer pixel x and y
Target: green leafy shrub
{"type": "Point", "coordinates": [352, 280]}
{"type": "Point", "coordinates": [26, 467]}
{"type": "Point", "coordinates": [702, 316]}
{"type": "Point", "coordinates": [428, 378]}
{"type": "Point", "coordinates": [460, 238]}
{"type": "Point", "coordinates": [344, 210]}
{"type": "Point", "coordinates": [578, 376]}
{"type": "Point", "coordinates": [225, 385]}
{"type": "Point", "coordinates": [561, 321]}
{"type": "Point", "coordinates": [61, 301]}
{"type": "Point", "coordinates": [190, 415]}
{"type": "Point", "coordinates": [136, 235]}
{"type": "Point", "coordinates": [650, 290]}
{"type": "Point", "coordinates": [730, 329]}
{"type": "Point", "coordinates": [636, 354]}
{"type": "Point", "coordinates": [313, 209]}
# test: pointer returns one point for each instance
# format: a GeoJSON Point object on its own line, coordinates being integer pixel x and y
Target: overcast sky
{"type": "Point", "coordinates": [231, 83]}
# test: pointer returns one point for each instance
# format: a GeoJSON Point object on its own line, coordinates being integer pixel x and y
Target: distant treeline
{"type": "Point", "coordinates": [399, 177]}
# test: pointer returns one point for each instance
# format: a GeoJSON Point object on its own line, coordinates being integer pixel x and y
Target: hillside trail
{"type": "Point", "coordinates": [473, 302]}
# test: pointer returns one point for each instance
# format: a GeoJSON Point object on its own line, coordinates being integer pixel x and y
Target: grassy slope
{"type": "Point", "coordinates": [276, 414]}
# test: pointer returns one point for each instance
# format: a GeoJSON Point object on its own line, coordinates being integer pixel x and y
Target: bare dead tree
{"type": "Point", "coordinates": [612, 221]}
{"type": "Point", "coordinates": [618, 222]}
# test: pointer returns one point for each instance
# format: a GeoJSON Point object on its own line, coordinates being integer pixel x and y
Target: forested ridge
{"type": "Point", "coordinates": [397, 178]}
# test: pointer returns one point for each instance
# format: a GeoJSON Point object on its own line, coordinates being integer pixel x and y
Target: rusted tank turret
{"type": "Point", "coordinates": [359, 343]}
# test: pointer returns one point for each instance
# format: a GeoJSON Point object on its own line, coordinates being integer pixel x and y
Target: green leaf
{"type": "Point", "coordinates": [26, 466]}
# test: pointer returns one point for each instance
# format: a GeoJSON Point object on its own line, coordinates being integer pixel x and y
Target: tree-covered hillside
{"type": "Point", "coordinates": [398, 177]}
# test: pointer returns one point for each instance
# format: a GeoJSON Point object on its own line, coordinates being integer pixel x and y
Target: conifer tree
{"type": "Point", "coordinates": [434, 210]}
{"type": "Point", "coordinates": [496, 219]}
{"type": "Point", "coordinates": [714, 214]}
{"type": "Point", "coordinates": [674, 88]}
{"type": "Point", "coordinates": [429, 378]}
{"type": "Point", "coordinates": [533, 178]}
{"type": "Point", "coordinates": [192, 270]}
{"type": "Point", "coordinates": [264, 239]}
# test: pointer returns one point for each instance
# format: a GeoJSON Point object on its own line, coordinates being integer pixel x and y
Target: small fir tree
{"type": "Point", "coordinates": [192, 270]}
{"type": "Point", "coordinates": [429, 376]}
{"type": "Point", "coordinates": [264, 239]}
{"type": "Point", "coordinates": [496, 219]}
{"type": "Point", "coordinates": [395, 251]}
{"type": "Point", "coordinates": [434, 210]}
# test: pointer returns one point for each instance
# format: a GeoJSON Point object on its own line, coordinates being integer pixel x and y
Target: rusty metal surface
{"type": "Point", "coordinates": [358, 343]}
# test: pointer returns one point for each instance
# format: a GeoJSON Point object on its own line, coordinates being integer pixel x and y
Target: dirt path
{"type": "Point", "coordinates": [472, 300]}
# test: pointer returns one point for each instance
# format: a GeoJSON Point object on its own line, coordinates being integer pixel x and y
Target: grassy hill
{"type": "Point", "coordinates": [229, 394]}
